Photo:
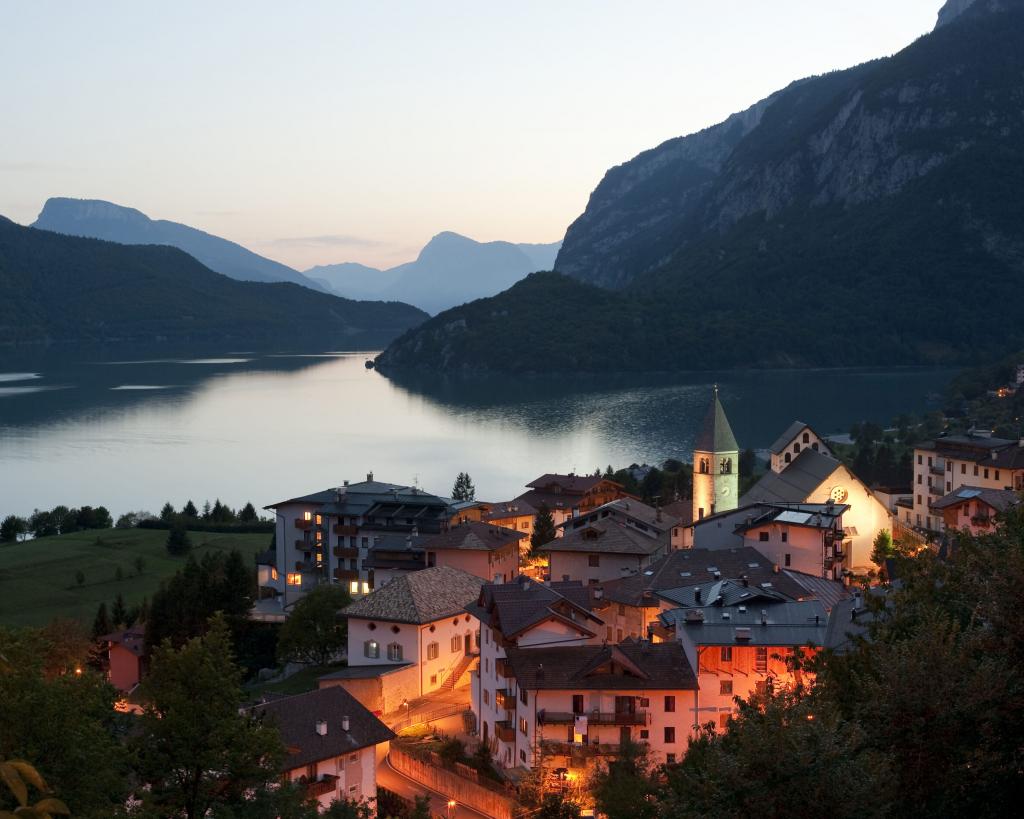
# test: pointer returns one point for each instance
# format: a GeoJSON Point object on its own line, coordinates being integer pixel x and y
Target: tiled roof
{"type": "Point", "coordinates": [606, 536]}
{"type": "Point", "coordinates": [419, 597]}
{"type": "Point", "coordinates": [657, 519]}
{"type": "Point", "coordinates": [512, 508]}
{"type": "Point", "coordinates": [786, 437]}
{"type": "Point", "coordinates": [1012, 457]}
{"type": "Point", "coordinates": [296, 719]}
{"type": "Point", "coordinates": [628, 666]}
{"type": "Point", "coordinates": [681, 510]}
{"type": "Point", "coordinates": [514, 607]}
{"type": "Point", "coordinates": [786, 624]}
{"type": "Point", "coordinates": [722, 593]}
{"type": "Point", "coordinates": [807, 472]}
{"type": "Point", "coordinates": [715, 433]}
{"type": "Point", "coordinates": [132, 639]}
{"type": "Point", "coordinates": [473, 536]}
{"type": "Point", "coordinates": [998, 499]}
{"type": "Point", "coordinates": [573, 484]}
{"type": "Point", "coordinates": [695, 566]}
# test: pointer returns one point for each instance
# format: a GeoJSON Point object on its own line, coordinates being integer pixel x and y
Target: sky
{"type": "Point", "coordinates": [322, 132]}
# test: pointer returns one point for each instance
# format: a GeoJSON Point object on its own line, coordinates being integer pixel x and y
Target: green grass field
{"type": "Point", "coordinates": [37, 577]}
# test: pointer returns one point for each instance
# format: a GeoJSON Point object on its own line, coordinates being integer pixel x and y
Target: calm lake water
{"type": "Point", "coordinates": [130, 433]}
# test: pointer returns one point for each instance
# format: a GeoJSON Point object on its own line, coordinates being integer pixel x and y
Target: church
{"type": "Point", "coordinates": [832, 518]}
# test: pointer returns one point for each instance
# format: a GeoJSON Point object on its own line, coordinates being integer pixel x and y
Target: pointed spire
{"type": "Point", "coordinates": [715, 433]}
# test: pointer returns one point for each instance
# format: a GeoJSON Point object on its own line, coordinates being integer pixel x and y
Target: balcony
{"type": "Point", "coordinates": [571, 749]}
{"type": "Point", "coordinates": [937, 469]}
{"type": "Point", "coordinates": [350, 531]}
{"type": "Point", "coordinates": [304, 525]}
{"type": "Point", "coordinates": [593, 717]}
{"type": "Point", "coordinates": [304, 545]}
{"type": "Point", "coordinates": [307, 566]}
{"type": "Point", "coordinates": [505, 731]}
{"type": "Point", "coordinates": [315, 788]}
{"type": "Point", "coordinates": [341, 551]}
{"type": "Point", "coordinates": [503, 698]}
{"type": "Point", "coordinates": [935, 490]}
{"type": "Point", "coordinates": [346, 574]}
{"type": "Point", "coordinates": [502, 667]}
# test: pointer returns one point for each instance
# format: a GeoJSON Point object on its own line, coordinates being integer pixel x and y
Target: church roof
{"type": "Point", "coordinates": [715, 433]}
{"type": "Point", "coordinates": [795, 482]}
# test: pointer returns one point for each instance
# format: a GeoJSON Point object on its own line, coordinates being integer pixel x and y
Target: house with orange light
{"type": "Point", "coordinates": [565, 496]}
{"type": "Point", "coordinates": [126, 656]}
{"type": "Point", "coordinates": [974, 508]}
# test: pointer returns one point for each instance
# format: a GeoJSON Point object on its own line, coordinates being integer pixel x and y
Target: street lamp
{"type": "Point", "coordinates": [451, 808]}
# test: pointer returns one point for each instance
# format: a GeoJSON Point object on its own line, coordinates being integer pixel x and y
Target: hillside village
{"type": "Point", "coordinates": [632, 624]}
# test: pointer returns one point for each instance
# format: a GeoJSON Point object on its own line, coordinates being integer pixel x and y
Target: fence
{"type": "Point", "coordinates": [419, 718]}
{"type": "Point", "coordinates": [488, 798]}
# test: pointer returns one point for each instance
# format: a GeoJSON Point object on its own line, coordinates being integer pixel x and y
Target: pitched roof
{"type": "Point", "coordinates": [512, 508]}
{"type": "Point", "coordinates": [473, 535]}
{"type": "Point", "coordinates": [419, 597]}
{"type": "Point", "coordinates": [722, 593]}
{"type": "Point", "coordinates": [966, 447]}
{"type": "Point", "coordinates": [715, 433]}
{"type": "Point", "coordinates": [657, 519]}
{"type": "Point", "coordinates": [1012, 457]}
{"type": "Point", "coordinates": [571, 483]}
{"type": "Point", "coordinates": [785, 624]}
{"type": "Point", "coordinates": [998, 499]}
{"type": "Point", "coordinates": [696, 566]}
{"type": "Point", "coordinates": [829, 592]}
{"type": "Point", "coordinates": [628, 666]}
{"type": "Point", "coordinates": [360, 498]}
{"type": "Point", "coordinates": [606, 536]}
{"type": "Point", "coordinates": [807, 472]}
{"type": "Point", "coordinates": [681, 510]}
{"type": "Point", "coordinates": [514, 607]}
{"type": "Point", "coordinates": [810, 515]}
{"type": "Point", "coordinates": [792, 431]}
{"type": "Point", "coordinates": [296, 719]}
{"type": "Point", "coordinates": [133, 639]}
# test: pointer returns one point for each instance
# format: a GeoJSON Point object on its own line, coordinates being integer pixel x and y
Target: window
{"type": "Point", "coordinates": [364, 542]}
{"type": "Point", "coordinates": [786, 558]}
{"type": "Point", "coordinates": [456, 643]}
{"type": "Point", "coordinates": [433, 649]}
{"type": "Point", "coordinates": [763, 537]}
{"type": "Point", "coordinates": [963, 469]}
{"type": "Point", "coordinates": [788, 458]}
{"type": "Point", "coordinates": [371, 649]}
{"type": "Point", "coordinates": [726, 466]}
{"type": "Point", "coordinates": [307, 515]}
{"type": "Point", "coordinates": [807, 438]}
{"type": "Point", "coordinates": [394, 651]}
{"type": "Point", "coordinates": [949, 466]}
{"type": "Point", "coordinates": [319, 520]}
{"type": "Point", "coordinates": [997, 474]}
{"type": "Point", "coordinates": [785, 537]}
{"type": "Point", "coordinates": [523, 696]}
{"type": "Point", "coordinates": [975, 470]}
{"type": "Point", "coordinates": [433, 679]}
{"type": "Point", "coordinates": [725, 654]}
{"type": "Point", "coordinates": [353, 587]}
{"type": "Point", "coordinates": [761, 659]}
{"type": "Point", "coordinates": [622, 610]}
{"type": "Point", "coordinates": [577, 703]}
{"type": "Point", "coordinates": [487, 697]}
{"type": "Point", "coordinates": [700, 513]}
{"type": "Point", "coordinates": [645, 734]}
{"type": "Point", "coordinates": [725, 688]}
{"type": "Point", "coordinates": [986, 473]}
{"type": "Point", "coordinates": [920, 478]}
{"type": "Point", "coordinates": [918, 501]}
{"type": "Point", "coordinates": [670, 703]}
{"type": "Point", "coordinates": [593, 560]}
{"type": "Point", "coordinates": [918, 460]}
{"type": "Point", "coordinates": [294, 579]}
{"type": "Point", "coordinates": [670, 734]}
{"type": "Point", "coordinates": [796, 448]}
{"type": "Point", "coordinates": [522, 755]}
{"type": "Point", "coordinates": [929, 460]}
{"type": "Point", "coordinates": [705, 467]}
{"type": "Point", "coordinates": [524, 726]}
{"type": "Point", "coordinates": [319, 536]}
{"type": "Point", "coordinates": [618, 635]}
{"type": "Point", "coordinates": [431, 559]}
{"type": "Point", "coordinates": [723, 719]}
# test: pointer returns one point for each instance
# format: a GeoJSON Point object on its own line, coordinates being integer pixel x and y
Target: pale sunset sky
{"type": "Point", "coordinates": [321, 132]}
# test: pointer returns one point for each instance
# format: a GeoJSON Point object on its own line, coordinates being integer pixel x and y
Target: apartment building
{"type": "Point", "coordinates": [651, 521]}
{"type": "Point", "coordinates": [604, 549]}
{"type": "Point", "coordinates": [974, 508]}
{"type": "Point", "coordinates": [565, 496]}
{"type": "Point", "coordinates": [946, 464]}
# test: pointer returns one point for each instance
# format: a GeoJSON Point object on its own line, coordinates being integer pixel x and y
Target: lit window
{"type": "Point", "coordinates": [319, 559]}
{"type": "Point", "coordinates": [307, 515]}
{"type": "Point", "coordinates": [353, 587]}
{"type": "Point", "coordinates": [366, 587]}
{"type": "Point", "coordinates": [371, 649]}
{"type": "Point", "coordinates": [319, 536]}
{"type": "Point", "coordinates": [294, 579]}
{"type": "Point", "coordinates": [273, 573]}
{"type": "Point", "coordinates": [319, 520]}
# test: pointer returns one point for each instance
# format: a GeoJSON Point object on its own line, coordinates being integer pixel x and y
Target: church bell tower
{"type": "Point", "coordinates": [716, 461]}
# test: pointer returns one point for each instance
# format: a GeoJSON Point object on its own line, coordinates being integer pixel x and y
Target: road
{"type": "Point", "coordinates": [391, 779]}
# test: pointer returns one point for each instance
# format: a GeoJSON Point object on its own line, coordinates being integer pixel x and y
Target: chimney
{"type": "Point", "coordinates": [321, 726]}
{"type": "Point", "coordinates": [344, 724]}
{"type": "Point", "coordinates": [697, 594]}
{"type": "Point", "coordinates": [525, 584]}
{"type": "Point", "coordinates": [746, 581]}
{"type": "Point", "coordinates": [598, 593]}
{"type": "Point", "coordinates": [540, 671]}
{"type": "Point", "coordinates": [764, 617]}
{"type": "Point", "coordinates": [345, 482]}
{"type": "Point", "coordinates": [369, 476]}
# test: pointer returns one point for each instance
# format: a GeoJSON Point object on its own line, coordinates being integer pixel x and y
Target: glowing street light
{"type": "Point", "coordinates": [451, 808]}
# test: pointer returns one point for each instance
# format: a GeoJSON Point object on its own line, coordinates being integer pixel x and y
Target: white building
{"type": "Point", "coordinates": [604, 549]}
{"type": "Point", "coordinates": [797, 437]}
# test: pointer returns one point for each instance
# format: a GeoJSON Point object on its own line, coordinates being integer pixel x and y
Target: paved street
{"type": "Point", "coordinates": [391, 779]}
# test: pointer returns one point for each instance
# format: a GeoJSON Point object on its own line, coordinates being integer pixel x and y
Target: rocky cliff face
{"type": "Point", "coordinates": [844, 139]}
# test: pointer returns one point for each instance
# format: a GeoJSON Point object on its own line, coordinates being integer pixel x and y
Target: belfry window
{"type": "Point", "coordinates": [726, 466]}
{"type": "Point", "coordinates": [704, 466]}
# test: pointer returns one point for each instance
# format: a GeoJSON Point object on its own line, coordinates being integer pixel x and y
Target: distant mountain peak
{"type": "Point", "coordinates": [955, 8]}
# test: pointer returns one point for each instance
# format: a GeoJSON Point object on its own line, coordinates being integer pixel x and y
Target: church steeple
{"type": "Point", "coordinates": [715, 463]}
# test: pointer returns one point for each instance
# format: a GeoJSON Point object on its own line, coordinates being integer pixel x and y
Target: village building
{"type": "Point", "coordinates": [521, 614]}
{"type": "Point", "coordinates": [746, 648]}
{"type": "Point", "coordinates": [576, 705]}
{"type": "Point", "coordinates": [951, 462]}
{"type": "Point", "coordinates": [815, 478]}
{"type": "Point", "coordinates": [806, 537]}
{"type": "Point", "coordinates": [650, 520]}
{"type": "Point", "coordinates": [682, 532]}
{"type": "Point", "coordinates": [604, 549]}
{"type": "Point", "coordinates": [565, 496]}
{"type": "Point", "coordinates": [797, 437]}
{"type": "Point", "coordinates": [716, 464]}
{"type": "Point", "coordinates": [126, 658]}
{"type": "Point", "coordinates": [417, 622]}
{"type": "Point", "coordinates": [334, 744]}
{"type": "Point", "coordinates": [974, 508]}
{"type": "Point", "coordinates": [326, 537]}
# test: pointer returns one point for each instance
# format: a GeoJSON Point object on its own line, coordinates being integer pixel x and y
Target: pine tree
{"type": "Point", "coordinates": [189, 510]}
{"type": "Point", "coordinates": [463, 490]}
{"type": "Point", "coordinates": [118, 612]}
{"type": "Point", "coordinates": [178, 542]}
{"type": "Point", "coordinates": [101, 623]}
{"type": "Point", "coordinates": [206, 510]}
{"type": "Point", "coordinates": [543, 529]}
{"type": "Point", "coordinates": [248, 513]}
{"type": "Point", "coordinates": [167, 513]}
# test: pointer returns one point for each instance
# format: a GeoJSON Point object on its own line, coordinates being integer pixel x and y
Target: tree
{"type": "Point", "coordinates": [12, 528]}
{"type": "Point", "coordinates": [463, 490]}
{"type": "Point", "coordinates": [624, 789]}
{"type": "Point", "coordinates": [119, 612]}
{"type": "Point", "coordinates": [882, 548]}
{"type": "Point", "coordinates": [555, 807]}
{"type": "Point", "coordinates": [196, 750]}
{"type": "Point", "coordinates": [314, 633]}
{"type": "Point", "coordinates": [206, 510]}
{"type": "Point", "coordinates": [167, 514]}
{"type": "Point", "coordinates": [543, 529]}
{"type": "Point", "coordinates": [101, 622]}
{"type": "Point", "coordinates": [178, 542]}
{"type": "Point", "coordinates": [189, 510]}
{"type": "Point", "coordinates": [248, 513]}
{"type": "Point", "coordinates": [43, 524]}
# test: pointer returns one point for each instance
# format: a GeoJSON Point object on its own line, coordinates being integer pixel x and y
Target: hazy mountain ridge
{"type": "Point", "coordinates": [868, 216]}
{"type": "Point", "coordinates": [98, 219]}
{"type": "Point", "coordinates": [451, 269]}
{"type": "Point", "coordinates": [64, 289]}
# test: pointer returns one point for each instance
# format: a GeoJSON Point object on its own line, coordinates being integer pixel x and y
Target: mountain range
{"type": "Point", "coordinates": [866, 216]}
{"type": "Point", "coordinates": [450, 270]}
{"type": "Point", "coordinates": [97, 219]}
{"type": "Point", "coordinates": [59, 289]}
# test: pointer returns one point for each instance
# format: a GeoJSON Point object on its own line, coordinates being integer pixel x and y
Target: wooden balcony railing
{"type": "Point", "coordinates": [328, 783]}
{"type": "Point", "coordinates": [346, 574]}
{"type": "Point", "coordinates": [505, 731]}
{"type": "Point", "coordinates": [504, 698]}
{"type": "Point", "coordinates": [593, 717]}
{"type": "Point", "coordinates": [350, 531]}
{"type": "Point", "coordinates": [342, 551]}
{"type": "Point", "coordinates": [303, 524]}
{"type": "Point", "coordinates": [501, 665]}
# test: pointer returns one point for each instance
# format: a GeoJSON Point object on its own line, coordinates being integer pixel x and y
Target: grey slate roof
{"type": "Point", "coordinates": [998, 499]}
{"type": "Point", "coordinates": [627, 508]}
{"type": "Point", "coordinates": [296, 717]}
{"type": "Point", "coordinates": [363, 672]}
{"type": "Point", "coordinates": [473, 536]}
{"type": "Point", "coordinates": [715, 433]}
{"type": "Point", "coordinates": [507, 509]}
{"type": "Point", "coordinates": [795, 482]}
{"type": "Point", "coordinates": [571, 484]}
{"type": "Point", "coordinates": [612, 537]}
{"type": "Point", "coordinates": [829, 592]}
{"type": "Point", "coordinates": [696, 566]}
{"type": "Point", "coordinates": [788, 624]}
{"type": "Point", "coordinates": [722, 593]}
{"type": "Point", "coordinates": [514, 607]}
{"type": "Point", "coordinates": [791, 432]}
{"type": "Point", "coordinates": [359, 498]}
{"type": "Point", "coordinates": [628, 666]}
{"type": "Point", "coordinates": [1012, 457]}
{"type": "Point", "coordinates": [419, 597]}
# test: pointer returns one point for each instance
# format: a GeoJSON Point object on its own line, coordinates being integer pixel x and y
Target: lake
{"type": "Point", "coordinates": [132, 432]}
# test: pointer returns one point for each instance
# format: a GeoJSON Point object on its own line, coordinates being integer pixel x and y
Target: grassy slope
{"type": "Point", "coordinates": [37, 577]}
